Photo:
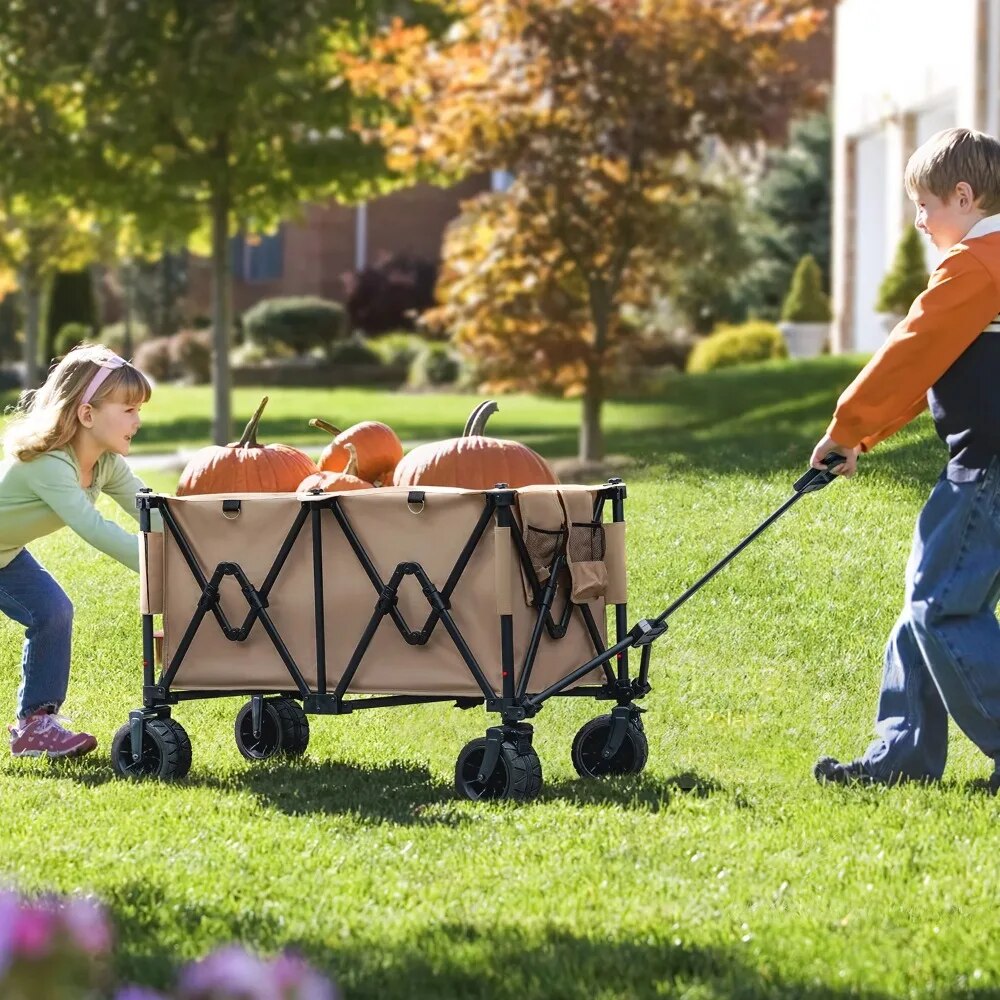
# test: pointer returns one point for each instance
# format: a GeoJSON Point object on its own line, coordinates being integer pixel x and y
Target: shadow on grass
{"type": "Point", "coordinates": [643, 792]}
{"type": "Point", "coordinates": [395, 793]}
{"type": "Point", "coordinates": [456, 959]}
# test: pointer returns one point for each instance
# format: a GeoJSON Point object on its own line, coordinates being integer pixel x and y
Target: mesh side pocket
{"type": "Point", "coordinates": [543, 546]}
{"type": "Point", "coordinates": [586, 541]}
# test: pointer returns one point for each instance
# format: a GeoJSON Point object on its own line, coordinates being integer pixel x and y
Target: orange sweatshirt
{"type": "Point", "coordinates": [945, 353]}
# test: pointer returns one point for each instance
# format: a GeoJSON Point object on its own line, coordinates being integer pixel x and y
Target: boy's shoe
{"type": "Point", "coordinates": [995, 781]}
{"type": "Point", "coordinates": [829, 770]}
{"type": "Point", "coordinates": [42, 735]}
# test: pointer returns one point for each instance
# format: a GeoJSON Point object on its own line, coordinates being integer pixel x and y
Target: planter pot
{"type": "Point", "coordinates": [805, 340]}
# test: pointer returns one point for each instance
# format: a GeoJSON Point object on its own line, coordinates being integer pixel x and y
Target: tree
{"type": "Point", "coordinates": [907, 277]}
{"type": "Point", "coordinates": [599, 108]}
{"type": "Point", "coordinates": [204, 118]}
{"type": "Point", "coordinates": [793, 210]}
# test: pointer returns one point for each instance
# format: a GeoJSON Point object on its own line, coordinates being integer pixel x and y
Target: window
{"type": "Point", "coordinates": [258, 258]}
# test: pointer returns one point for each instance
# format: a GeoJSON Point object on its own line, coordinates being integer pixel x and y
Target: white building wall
{"type": "Point", "coordinates": [904, 69]}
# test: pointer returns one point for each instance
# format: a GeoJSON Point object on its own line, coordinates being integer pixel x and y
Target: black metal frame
{"type": "Point", "coordinates": [512, 702]}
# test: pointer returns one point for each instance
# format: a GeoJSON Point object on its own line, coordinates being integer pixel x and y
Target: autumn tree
{"type": "Point", "coordinates": [602, 111]}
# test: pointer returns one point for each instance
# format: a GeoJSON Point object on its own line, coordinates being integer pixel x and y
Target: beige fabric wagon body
{"type": "Point", "coordinates": [392, 530]}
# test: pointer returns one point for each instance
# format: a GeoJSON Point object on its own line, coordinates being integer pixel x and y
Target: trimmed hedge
{"type": "Point", "coordinates": [301, 323]}
{"type": "Point", "coordinates": [729, 346]}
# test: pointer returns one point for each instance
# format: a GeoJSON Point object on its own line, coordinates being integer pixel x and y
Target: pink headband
{"type": "Point", "coordinates": [105, 368]}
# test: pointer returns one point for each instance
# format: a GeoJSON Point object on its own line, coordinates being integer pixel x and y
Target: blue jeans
{"type": "Point", "coordinates": [943, 657]}
{"type": "Point", "coordinates": [30, 595]}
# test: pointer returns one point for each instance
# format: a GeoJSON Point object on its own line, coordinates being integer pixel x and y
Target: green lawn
{"type": "Point", "coordinates": [757, 883]}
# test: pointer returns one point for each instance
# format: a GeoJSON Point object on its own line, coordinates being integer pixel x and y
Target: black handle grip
{"type": "Point", "coordinates": [816, 479]}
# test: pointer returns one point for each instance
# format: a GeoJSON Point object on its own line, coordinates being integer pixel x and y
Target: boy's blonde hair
{"type": "Point", "coordinates": [46, 418]}
{"type": "Point", "coordinates": [954, 155]}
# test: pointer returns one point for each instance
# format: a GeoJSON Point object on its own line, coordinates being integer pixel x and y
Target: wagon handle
{"type": "Point", "coordinates": [813, 480]}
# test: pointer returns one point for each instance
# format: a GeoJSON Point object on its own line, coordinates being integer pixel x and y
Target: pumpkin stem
{"type": "Point", "coordinates": [476, 425]}
{"type": "Point", "coordinates": [351, 469]}
{"type": "Point", "coordinates": [324, 425]}
{"type": "Point", "coordinates": [249, 439]}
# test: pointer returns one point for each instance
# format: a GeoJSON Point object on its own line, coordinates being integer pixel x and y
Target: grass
{"type": "Point", "coordinates": [756, 882]}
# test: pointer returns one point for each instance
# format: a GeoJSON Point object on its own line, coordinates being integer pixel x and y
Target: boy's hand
{"type": "Point", "coordinates": [825, 446]}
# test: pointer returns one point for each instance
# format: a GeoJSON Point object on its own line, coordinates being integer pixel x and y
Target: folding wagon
{"type": "Point", "coordinates": [327, 603]}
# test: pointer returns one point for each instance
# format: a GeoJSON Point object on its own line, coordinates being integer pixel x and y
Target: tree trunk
{"type": "Point", "coordinates": [591, 433]}
{"type": "Point", "coordinates": [31, 289]}
{"type": "Point", "coordinates": [221, 318]}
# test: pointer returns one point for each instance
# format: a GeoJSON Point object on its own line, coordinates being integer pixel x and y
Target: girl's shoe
{"type": "Point", "coordinates": [42, 735]}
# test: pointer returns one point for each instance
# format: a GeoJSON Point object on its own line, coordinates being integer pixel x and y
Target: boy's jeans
{"type": "Point", "coordinates": [30, 595]}
{"type": "Point", "coordinates": [943, 656]}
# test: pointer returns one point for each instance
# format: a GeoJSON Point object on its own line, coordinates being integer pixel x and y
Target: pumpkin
{"type": "Point", "coordinates": [337, 482]}
{"type": "Point", "coordinates": [379, 449]}
{"type": "Point", "coordinates": [474, 461]}
{"type": "Point", "coordinates": [246, 466]}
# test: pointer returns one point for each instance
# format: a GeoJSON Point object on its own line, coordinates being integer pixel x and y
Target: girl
{"type": "Point", "coordinates": [65, 446]}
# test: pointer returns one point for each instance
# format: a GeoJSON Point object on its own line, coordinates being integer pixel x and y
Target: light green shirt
{"type": "Point", "coordinates": [41, 496]}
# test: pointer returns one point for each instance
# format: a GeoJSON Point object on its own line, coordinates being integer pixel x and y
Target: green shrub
{"type": "Point", "coordinates": [907, 277]}
{"type": "Point", "coordinates": [113, 337]}
{"type": "Point", "coordinates": [301, 323]}
{"type": "Point", "coordinates": [354, 351]}
{"type": "Point", "coordinates": [436, 364]}
{"type": "Point", "coordinates": [154, 358]}
{"type": "Point", "coordinates": [806, 301]}
{"type": "Point", "coordinates": [737, 345]}
{"type": "Point", "coordinates": [71, 335]}
{"type": "Point", "coordinates": [191, 354]}
{"type": "Point", "coordinates": [398, 348]}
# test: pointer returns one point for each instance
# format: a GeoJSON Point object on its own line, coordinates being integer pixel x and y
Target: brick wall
{"type": "Point", "coordinates": [320, 247]}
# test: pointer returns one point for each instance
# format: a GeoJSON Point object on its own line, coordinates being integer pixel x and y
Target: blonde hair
{"type": "Point", "coordinates": [46, 418]}
{"type": "Point", "coordinates": [952, 156]}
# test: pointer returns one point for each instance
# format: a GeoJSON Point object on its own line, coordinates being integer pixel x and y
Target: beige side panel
{"type": "Point", "coordinates": [150, 573]}
{"type": "Point", "coordinates": [392, 532]}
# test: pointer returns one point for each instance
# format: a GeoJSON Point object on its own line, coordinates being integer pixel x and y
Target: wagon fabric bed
{"type": "Point", "coordinates": [328, 603]}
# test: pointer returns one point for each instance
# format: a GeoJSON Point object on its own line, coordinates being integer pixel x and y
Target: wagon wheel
{"type": "Point", "coordinates": [166, 751]}
{"type": "Point", "coordinates": [517, 776]}
{"type": "Point", "coordinates": [589, 744]}
{"type": "Point", "coordinates": [284, 728]}
{"type": "Point", "coordinates": [294, 726]}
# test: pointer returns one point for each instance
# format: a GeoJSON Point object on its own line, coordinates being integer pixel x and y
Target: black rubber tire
{"type": "Point", "coordinates": [589, 744]}
{"type": "Point", "coordinates": [517, 776]}
{"type": "Point", "coordinates": [284, 729]}
{"type": "Point", "coordinates": [294, 726]}
{"type": "Point", "coordinates": [166, 751]}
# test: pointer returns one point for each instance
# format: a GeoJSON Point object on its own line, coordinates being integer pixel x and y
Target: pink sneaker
{"type": "Point", "coordinates": [41, 735]}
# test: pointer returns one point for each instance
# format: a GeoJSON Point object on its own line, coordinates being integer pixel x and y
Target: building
{"type": "Point", "coordinates": [310, 255]}
{"type": "Point", "coordinates": [903, 70]}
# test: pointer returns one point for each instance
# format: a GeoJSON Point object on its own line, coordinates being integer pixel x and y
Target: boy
{"type": "Point", "coordinates": [943, 656]}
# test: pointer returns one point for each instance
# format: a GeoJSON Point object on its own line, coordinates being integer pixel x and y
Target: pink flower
{"type": "Point", "coordinates": [297, 980]}
{"type": "Point", "coordinates": [87, 926]}
{"type": "Point", "coordinates": [138, 993]}
{"type": "Point", "coordinates": [33, 932]}
{"type": "Point", "coordinates": [228, 974]}
{"type": "Point", "coordinates": [10, 908]}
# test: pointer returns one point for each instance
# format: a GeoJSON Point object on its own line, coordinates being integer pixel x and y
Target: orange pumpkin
{"type": "Point", "coordinates": [337, 482]}
{"type": "Point", "coordinates": [474, 461]}
{"type": "Point", "coordinates": [379, 449]}
{"type": "Point", "coordinates": [246, 466]}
